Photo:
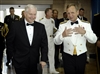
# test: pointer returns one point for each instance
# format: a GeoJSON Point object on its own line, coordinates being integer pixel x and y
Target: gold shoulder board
{"type": "Point", "coordinates": [85, 21]}
{"type": "Point", "coordinates": [40, 19]}
{"type": "Point", "coordinates": [96, 14]}
{"type": "Point", "coordinates": [63, 22]}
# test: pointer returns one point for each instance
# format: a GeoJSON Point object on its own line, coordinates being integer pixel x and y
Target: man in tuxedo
{"type": "Point", "coordinates": [9, 19]}
{"type": "Point", "coordinates": [81, 15]}
{"type": "Point", "coordinates": [26, 40]}
{"type": "Point", "coordinates": [73, 34]}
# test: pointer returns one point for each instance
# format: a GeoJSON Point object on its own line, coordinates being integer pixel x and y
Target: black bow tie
{"type": "Point", "coordinates": [74, 22]}
{"type": "Point", "coordinates": [29, 24]}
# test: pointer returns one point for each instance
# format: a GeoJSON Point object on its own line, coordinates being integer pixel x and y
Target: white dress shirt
{"type": "Point", "coordinates": [81, 17]}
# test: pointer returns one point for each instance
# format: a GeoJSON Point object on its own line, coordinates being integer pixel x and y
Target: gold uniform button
{"type": "Point", "coordinates": [69, 49]}
{"type": "Point", "coordinates": [80, 50]}
{"type": "Point", "coordinates": [68, 43]}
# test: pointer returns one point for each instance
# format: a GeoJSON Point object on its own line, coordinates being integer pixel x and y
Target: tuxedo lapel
{"type": "Point", "coordinates": [34, 32]}
{"type": "Point", "coordinates": [24, 32]}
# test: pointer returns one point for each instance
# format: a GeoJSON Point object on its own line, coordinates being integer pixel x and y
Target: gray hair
{"type": "Point", "coordinates": [72, 4]}
{"type": "Point", "coordinates": [30, 6]}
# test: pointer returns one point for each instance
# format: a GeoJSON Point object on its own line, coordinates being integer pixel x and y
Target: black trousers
{"type": "Point", "coordinates": [26, 67]}
{"type": "Point", "coordinates": [74, 64]}
{"type": "Point", "coordinates": [57, 48]}
{"type": "Point", "coordinates": [26, 71]}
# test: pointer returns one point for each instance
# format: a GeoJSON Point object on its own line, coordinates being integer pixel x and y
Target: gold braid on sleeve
{"type": "Point", "coordinates": [4, 30]}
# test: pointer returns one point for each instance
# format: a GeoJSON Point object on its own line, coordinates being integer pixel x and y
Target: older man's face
{"type": "Point", "coordinates": [30, 15]}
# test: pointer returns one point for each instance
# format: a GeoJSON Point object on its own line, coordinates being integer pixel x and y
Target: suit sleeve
{"type": "Point", "coordinates": [44, 45]}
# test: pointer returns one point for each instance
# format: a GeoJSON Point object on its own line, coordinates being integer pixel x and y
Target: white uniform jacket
{"type": "Point", "coordinates": [76, 39]}
{"type": "Point", "coordinates": [49, 25]}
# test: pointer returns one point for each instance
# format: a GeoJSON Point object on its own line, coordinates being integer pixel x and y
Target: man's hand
{"type": "Point", "coordinates": [43, 64]}
{"type": "Point", "coordinates": [79, 30]}
{"type": "Point", "coordinates": [67, 32]}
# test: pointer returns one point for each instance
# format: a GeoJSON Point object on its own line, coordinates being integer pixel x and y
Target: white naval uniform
{"type": "Point", "coordinates": [76, 39]}
{"type": "Point", "coordinates": [49, 25]}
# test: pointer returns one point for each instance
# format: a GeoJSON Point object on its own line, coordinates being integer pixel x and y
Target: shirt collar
{"type": "Point", "coordinates": [26, 22]}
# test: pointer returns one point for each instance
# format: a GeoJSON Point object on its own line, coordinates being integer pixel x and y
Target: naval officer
{"type": "Point", "coordinates": [49, 26]}
{"type": "Point", "coordinates": [74, 34]}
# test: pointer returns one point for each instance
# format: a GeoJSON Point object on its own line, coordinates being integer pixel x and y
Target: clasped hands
{"type": "Point", "coordinates": [76, 30]}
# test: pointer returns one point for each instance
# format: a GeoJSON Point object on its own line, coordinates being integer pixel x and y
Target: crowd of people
{"type": "Point", "coordinates": [29, 43]}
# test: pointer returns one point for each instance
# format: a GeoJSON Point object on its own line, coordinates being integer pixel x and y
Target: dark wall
{"type": "Point", "coordinates": [95, 7]}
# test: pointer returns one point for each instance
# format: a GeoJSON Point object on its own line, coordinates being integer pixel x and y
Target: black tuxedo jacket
{"type": "Point", "coordinates": [19, 47]}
